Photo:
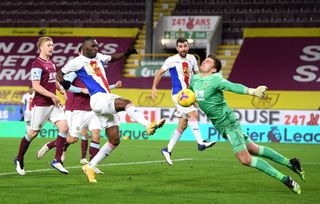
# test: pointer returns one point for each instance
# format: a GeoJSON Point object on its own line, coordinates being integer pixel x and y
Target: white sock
{"type": "Point", "coordinates": [105, 150]}
{"type": "Point", "coordinates": [174, 139]}
{"type": "Point", "coordinates": [135, 114]}
{"type": "Point", "coordinates": [194, 125]}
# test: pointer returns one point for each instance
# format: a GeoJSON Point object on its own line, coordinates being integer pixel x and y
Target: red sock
{"type": "Point", "coordinates": [66, 147]}
{"type": "Point", "coordinates": [51, 144]}
{"type": "Point", "coordinates": [24, 145]}
{"type": "Point", "coordinates": [84, 148]}
{"type": "Point", "coordinates": [94, 149]}
{"type": "Point", "coordinates": [60, 144]}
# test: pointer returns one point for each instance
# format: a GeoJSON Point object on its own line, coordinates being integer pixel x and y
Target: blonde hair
{"type": "Point", "coordinates": [43, 40]}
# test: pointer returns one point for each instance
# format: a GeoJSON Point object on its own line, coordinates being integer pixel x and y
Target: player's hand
{"type": "Point", "coordinates": [59, 76]}
{"type": "Point", "coordinates": [118, 84]}
{"type": "Point", "coordinates": [56, 100]}
{"type": "Point", "coordinates": [259, 91]}
{"type": "Point", "coordinates": [130, 51]}
{"type": "Point", "coordinates": [154, 94]}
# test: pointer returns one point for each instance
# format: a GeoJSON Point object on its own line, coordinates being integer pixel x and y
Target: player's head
{"type": "Point", "coordinates": [89, 47]}
{"type": "Point", "coordinates": [182, 46]}
{"type": "Point", "coordinates": [80, 50]}
{"type": "Point", "coordinates": [45, 46]}
{"type": "Point", "coordinates": [211, 64]}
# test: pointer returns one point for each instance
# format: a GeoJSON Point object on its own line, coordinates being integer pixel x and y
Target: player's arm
{"type": "Point", "coordinates": [67, 84]}
{"type": "Point", "coordinates": [241, 89]}
{"type": "Point", "coordinates": [71, 66]}
{"type": "Point", "coordinates": [118, 84]}
{"type": "Point", "coordinates": [117, 56]}
{"type": "Point", "coordinates": [156, 81]}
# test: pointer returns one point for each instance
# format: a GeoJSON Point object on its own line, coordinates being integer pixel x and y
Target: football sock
{"type": "Point", "coordinates": [174, 138]}
{"type": "Point", "coordinates": [24, 145]}
{"type": "Point", "coordinates": [51, 144]}
{"type": "Point", "coordinates": [105, 150]}
{"type": "Point", "coordinates": [60, 144]}
{"type": "Point", "coordinates": [267, 168]}
{"type": "Point", "coordinates": [194, 125]}
{"type": "Point", "coordinates": [94, 149]}
{"type": "Point", "coordinates": [66, 146]}
{"type": "Point", "coordinates": [135, 114]}
{"type": "Point", "coordinates": [84, 147]}
{"type": "Point", "coordinates": [273, 155]}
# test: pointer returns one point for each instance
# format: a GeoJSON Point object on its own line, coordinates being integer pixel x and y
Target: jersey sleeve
{"type": "Point", "coordinates": [104, 58]}
{"type": "Point", "coordinates": [70, 76]}
{"type": "Point", "coordinates": [167, 64]}
{"type": "Point", "coordinates": [71, 66]}
{"type": "Point", "coordinates": [36, 74]}
{"type": "Point", "coordinates": [230, 86]}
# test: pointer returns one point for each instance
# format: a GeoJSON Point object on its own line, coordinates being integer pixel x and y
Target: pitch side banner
{"type": "Point", "coordinates": [133, 131]}
{"type": "Point", "coordinates": [246, 116]}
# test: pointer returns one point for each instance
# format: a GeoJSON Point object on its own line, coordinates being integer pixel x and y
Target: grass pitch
{"type": "Point", "coordinates": [136, 173]}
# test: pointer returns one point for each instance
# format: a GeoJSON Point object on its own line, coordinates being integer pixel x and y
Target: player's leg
{"type": "Point", "coordinates": [84, 145]}
{"type": "Point", "coordinates": [263, 151]}
{"type": "Point", "coordinates": [58, 118]}
{"type": "Point", "coordinates": [39, 116]}
{"type": "Point", "coordinates": [237, 140]}
{"type": "Point", "coordinates": [27, 119]}
{"type": "Point", "coordinates": [105, 151]}
{"type": "Point", "coordinates": [23, 147]}
{"type": "Point", "coordinates": [166, 152]}
{"type": "Point", "coordinates": [126, 105]}
{"type": "Point", "coordinates": [194, 126]}
{"type": "Point", "coordinates": [111, 104]}
{"type": "Point", "coordinates": [49, 145]}
{"type": "Point", "coordinates": [111, 124]}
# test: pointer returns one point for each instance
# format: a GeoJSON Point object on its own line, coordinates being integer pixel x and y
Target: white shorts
{"type": "Point", "coordinates": [109, 120]}
{"type": "Point", "coordinates": [79, 119]}
{"type": "Point", "coordinates": [27, 116]}
{"type": "Point", "coordinates": [41, 114]}
{"type": "Point", "coordinates": [182, 112]}
{"type": "Point", "coordinates": [103, 103]}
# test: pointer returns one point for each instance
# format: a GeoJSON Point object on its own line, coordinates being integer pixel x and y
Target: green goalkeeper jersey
{"type": "Point", "coordinates": [209, 95]}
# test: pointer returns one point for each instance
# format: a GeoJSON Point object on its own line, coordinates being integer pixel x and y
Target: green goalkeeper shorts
{"type": "Point", "coordinates": [237, 138]}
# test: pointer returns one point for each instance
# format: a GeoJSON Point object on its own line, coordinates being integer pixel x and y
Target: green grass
{"type": "Point", "coordinates": [212, 176]}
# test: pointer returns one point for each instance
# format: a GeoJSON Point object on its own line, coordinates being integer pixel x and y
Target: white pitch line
{"type": "Point", "coordinates": [114, 164]}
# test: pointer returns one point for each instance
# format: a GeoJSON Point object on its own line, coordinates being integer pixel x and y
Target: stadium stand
{"type": "Point", "coordinates": [80, 13]}
{"type": "Point", "coordinates": [239, 14]}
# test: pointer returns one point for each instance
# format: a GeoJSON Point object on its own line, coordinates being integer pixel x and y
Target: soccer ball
{"type": "Point", "coordinates": [186, 97]}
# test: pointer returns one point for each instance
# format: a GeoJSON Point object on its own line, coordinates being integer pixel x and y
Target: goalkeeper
{"type": "Point", "coordinates": [208, 87]}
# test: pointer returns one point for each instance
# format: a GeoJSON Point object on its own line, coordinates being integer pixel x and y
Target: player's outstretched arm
{"type": "Point", "coordinates": [156, 81]}
{"type": "Point", "coordinates": [117, 56]}
{"type": "Point", "coordinates": [259, 91]}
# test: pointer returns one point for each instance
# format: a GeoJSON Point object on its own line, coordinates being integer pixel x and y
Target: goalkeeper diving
{"type": "Point", "coordinates": [208, 87]}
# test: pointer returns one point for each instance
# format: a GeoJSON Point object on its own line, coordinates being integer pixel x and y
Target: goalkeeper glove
{"type": "Point", "coordinates": [130, 51]}
{"type": "Point", "coordinates": [259, 91]}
